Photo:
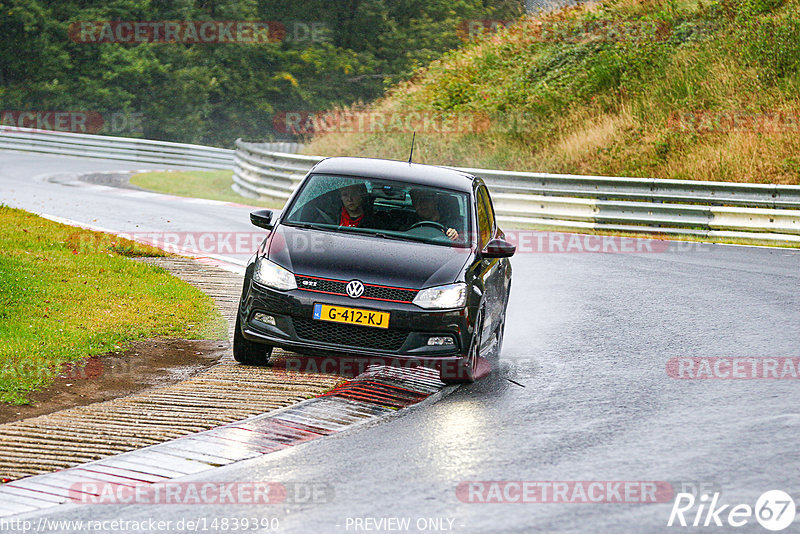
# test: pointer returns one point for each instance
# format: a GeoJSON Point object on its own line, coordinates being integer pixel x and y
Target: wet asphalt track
{"type": "Point", "coordinates": [580, 393]}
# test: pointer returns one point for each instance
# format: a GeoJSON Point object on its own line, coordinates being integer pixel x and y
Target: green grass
{"type": "Point", "coordinates": [589, 102]}
{"type": "Point", "coordinates": [212, 185]}
{"type": "Point", "coordinates": [67, 294]}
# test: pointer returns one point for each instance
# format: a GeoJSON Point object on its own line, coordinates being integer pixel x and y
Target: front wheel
{"type": "Point", "coordinates": [466, 370]}
{"type": "Point", "coordinates": [249, 352]}
{"type": "Point", "coordinates": [498, 335]}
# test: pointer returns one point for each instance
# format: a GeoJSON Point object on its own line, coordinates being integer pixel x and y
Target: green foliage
{"type": "Point", "coordinates": [595, 89]}
{"type": "Point", "coordinates": [771, 43]}
{"type": "Point", "coordinates": [614, 50]}
{"type": "Point", "coordinates": [214, 93]}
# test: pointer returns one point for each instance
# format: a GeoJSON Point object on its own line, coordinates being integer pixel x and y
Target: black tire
{"type": "Point", "coordinates": [501, 329]}
{"type": "Point", "coordinates": [499, 333]}
{"type": "Point", "coordinates": [249, 352]}
{"type": "Point", "coordinates": [466, 372]}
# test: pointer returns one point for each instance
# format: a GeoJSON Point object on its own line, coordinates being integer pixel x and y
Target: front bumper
{"type": "Point", "coordinates": [405, 340]}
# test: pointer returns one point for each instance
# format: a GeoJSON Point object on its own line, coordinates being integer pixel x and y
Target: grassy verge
{"type": "Point", "coordinates": [706, 90]}
{"type": "Point", "coordinates": [68, 293]}
{"type": "Point", "coordinates": [212, 185]}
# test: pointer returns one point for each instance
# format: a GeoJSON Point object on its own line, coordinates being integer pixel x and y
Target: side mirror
{"type": "Point", "coordinates": [499, 248]}
{"type": "Point", "coordinates": [262, 219]}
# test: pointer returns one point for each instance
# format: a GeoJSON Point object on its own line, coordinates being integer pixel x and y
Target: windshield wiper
{"type": "Point", "coordinates": [360, 231]}
{"type": "Point", "coordinates": [364, 231]}
{"type": "Point", "coordinates": [389, 236]}
{"type": "Point", "coordinates": [305, 225]}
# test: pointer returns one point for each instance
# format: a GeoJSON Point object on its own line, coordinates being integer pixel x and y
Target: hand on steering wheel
{"type": "Point", "coordinates": [449, 232]}
{"type": "Point", "coordinates": [435, 224]}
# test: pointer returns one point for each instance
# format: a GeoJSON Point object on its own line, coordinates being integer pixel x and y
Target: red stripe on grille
{"type": "Point", "coordinates": [344, 294]}
{"type": "Point", "coordinates": [346, 281]}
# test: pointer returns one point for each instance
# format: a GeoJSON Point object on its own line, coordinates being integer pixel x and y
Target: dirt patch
{"type": "Point", "coordinates": [113, 179]}
{"type": "Point", "coordinates": [145, 365]}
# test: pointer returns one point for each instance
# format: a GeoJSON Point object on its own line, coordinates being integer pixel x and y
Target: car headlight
{"type": "Point", "coordinates": [442, 297]}
{"type": "Point", "coordinates": [272, 275]}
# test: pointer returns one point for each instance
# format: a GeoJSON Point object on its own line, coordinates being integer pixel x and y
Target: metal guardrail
{"type": "Point", "coordinates": [752, 213]}
{"type": "Point", "coordinates": [119, 148]}
{"type": "Point", "coordinates": [262, 172]}
{"type": "Point", "coordinates": [283, 147]}
{"type": "Point", "coordinates": [762, 213]}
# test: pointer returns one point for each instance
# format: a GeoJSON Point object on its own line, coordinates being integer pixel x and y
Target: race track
{"type": "Point", "coordinates": [581, 391]}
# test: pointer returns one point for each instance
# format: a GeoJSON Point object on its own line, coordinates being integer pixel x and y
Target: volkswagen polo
{"type": "Point", "coordinates": [376, 258]}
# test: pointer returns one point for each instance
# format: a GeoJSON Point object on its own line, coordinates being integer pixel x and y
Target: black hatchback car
{"type": "Point", "coordinates": [379, 258]}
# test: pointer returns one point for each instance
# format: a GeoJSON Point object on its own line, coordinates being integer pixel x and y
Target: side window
{"type": "Point", "coordinates": [485, 218]}
{"type": "Point", "coordinates": [490, 211]}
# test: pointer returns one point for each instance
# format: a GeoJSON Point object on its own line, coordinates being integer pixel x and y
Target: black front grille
{"type": "Point", "coordinates": [370, 291]}
{"type": "Point", "coordinates": [350, 335]}
{"type": "Point", "coordinates": [330, 286]}
{"type": "Point", "coordinates": [389, 293]}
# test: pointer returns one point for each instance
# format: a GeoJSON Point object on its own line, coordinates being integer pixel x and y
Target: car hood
{"type": "Point", "coordinates": [371, 259]}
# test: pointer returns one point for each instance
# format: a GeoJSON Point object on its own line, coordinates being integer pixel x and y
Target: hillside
{"type": "Point", "coordinates": [650, 88]}
{"type": "Point", "coordinates": [210, 71]}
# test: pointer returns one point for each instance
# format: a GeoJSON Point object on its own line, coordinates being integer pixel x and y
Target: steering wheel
{"type": "Point", "coordinates": [433, 224]}
{"type": "Point", "coordinates": [326, 218]}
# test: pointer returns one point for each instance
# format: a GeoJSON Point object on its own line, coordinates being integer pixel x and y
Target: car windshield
{"type": "Point", "coordinates": [384, 209]}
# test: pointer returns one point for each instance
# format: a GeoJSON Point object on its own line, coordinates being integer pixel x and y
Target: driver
{"type": "Point", "coordinates": [424, 202]}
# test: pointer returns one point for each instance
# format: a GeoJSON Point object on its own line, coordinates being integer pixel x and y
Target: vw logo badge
{"type": "Point", "coordinates": [355, 289]}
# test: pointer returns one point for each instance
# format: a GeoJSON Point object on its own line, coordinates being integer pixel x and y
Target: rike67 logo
{"type": "Point", "coordinates": [774, 510]}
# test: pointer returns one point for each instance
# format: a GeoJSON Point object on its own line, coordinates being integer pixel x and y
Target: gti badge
{"type": "Point", "coordinates": [355, 289]}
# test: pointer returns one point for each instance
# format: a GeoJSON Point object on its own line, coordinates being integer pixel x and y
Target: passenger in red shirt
{"type": "Point", "coordinates": [353, 205]}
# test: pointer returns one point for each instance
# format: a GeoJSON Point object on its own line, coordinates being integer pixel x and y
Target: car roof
{"type": "Point", "coordinates": [401, 171]}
